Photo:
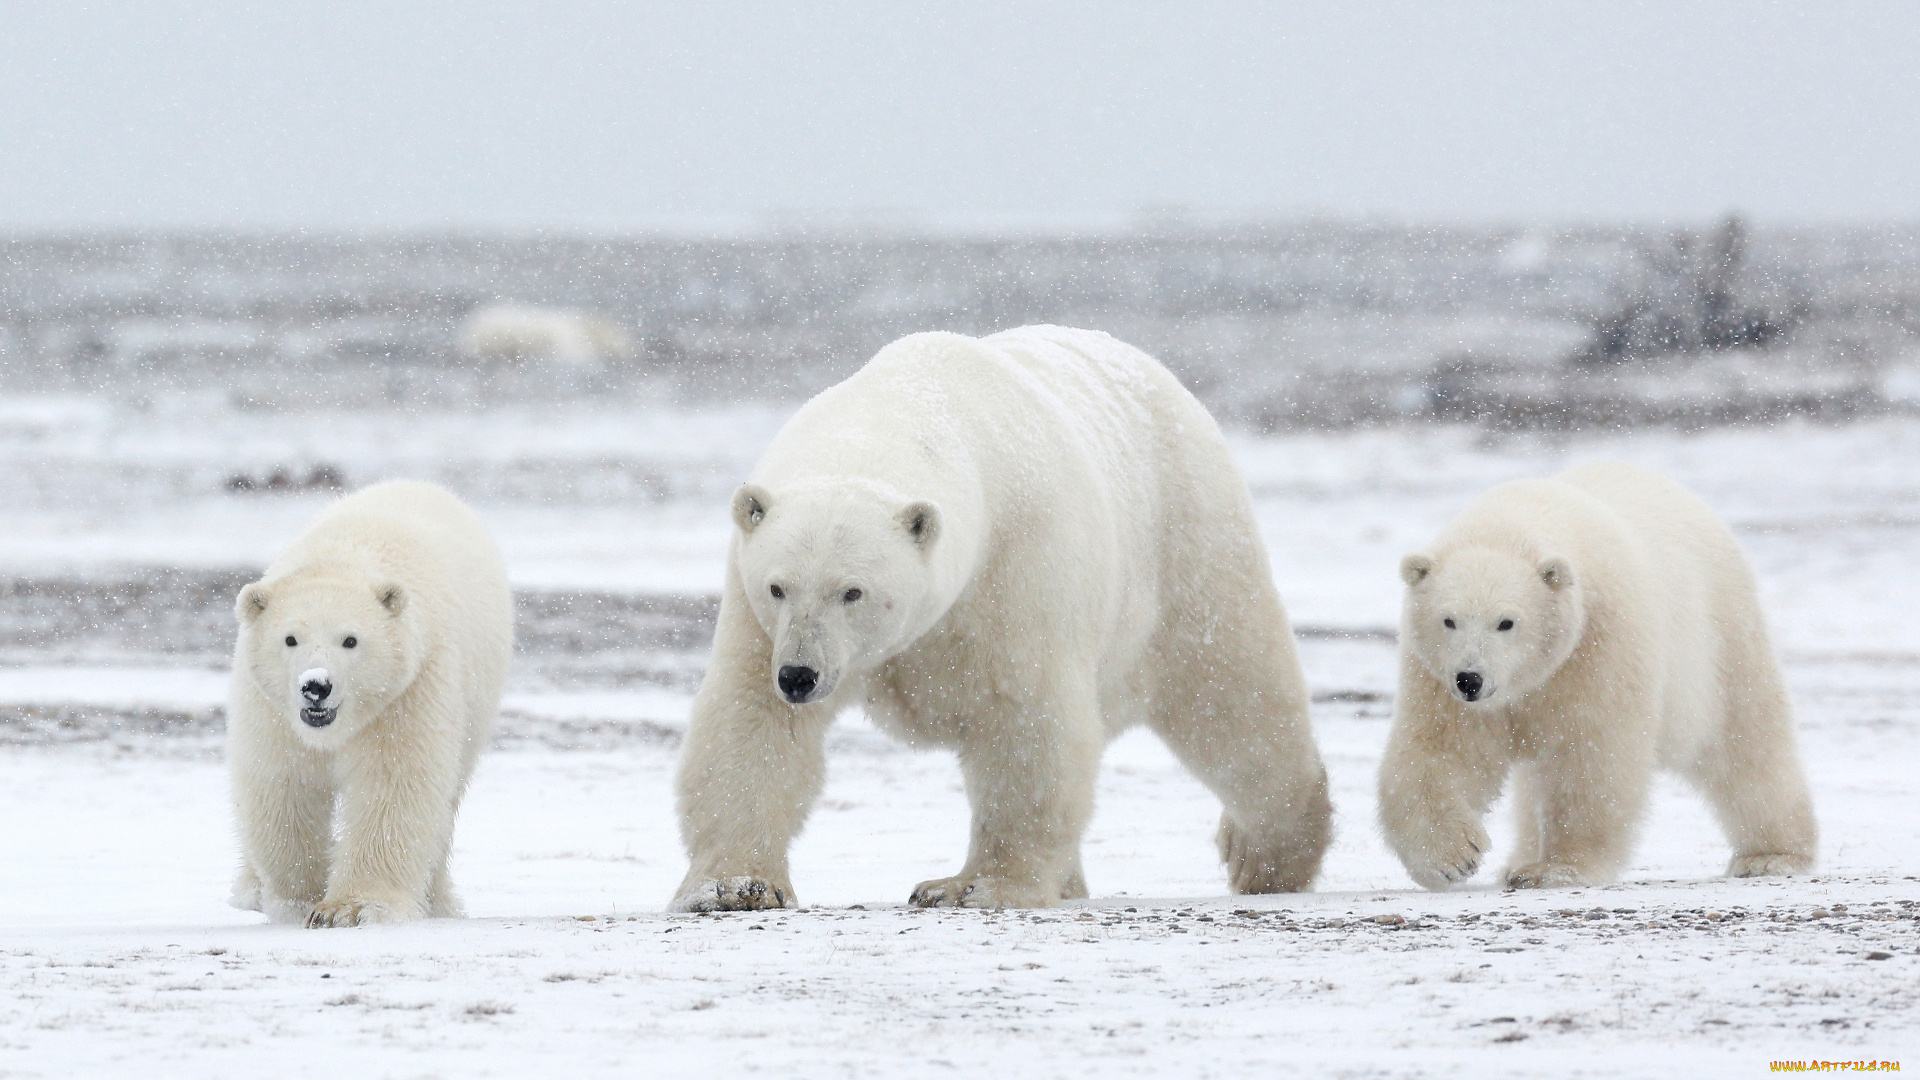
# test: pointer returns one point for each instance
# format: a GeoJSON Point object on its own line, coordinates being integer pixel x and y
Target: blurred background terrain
{"type": "Point", "coordinates": [1311, 324]}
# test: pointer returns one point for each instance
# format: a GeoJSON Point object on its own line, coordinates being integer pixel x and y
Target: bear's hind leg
{"type": "Point", "coordinates": [1075, 887]}
{"type": "Point", "coordinates": [1277, 861]}
{"type": "Point", "coordinates": [1250, 742]}
{"type": "Point", "coordinates": [1751, 776]}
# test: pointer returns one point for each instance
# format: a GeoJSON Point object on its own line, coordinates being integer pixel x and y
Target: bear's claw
{"type": "Point", "coordinates": [743, 893]}
{"type": "Point", "coordinates": [1773, 865]}
{"type": "Point", "coordinates": [352, 911]}
{"type": "Point", "coordinates": [1545, 875]}
{"type": "Point", "coordinates": [1452, 856]}
{"type": "Point", "coordinates": [977, 892]}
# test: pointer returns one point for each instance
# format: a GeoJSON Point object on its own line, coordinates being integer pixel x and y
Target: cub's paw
{"type": "Point", "coordinates": [1448, 854]}
{"type": "Point", "coordinates": [979, 892]}
{"type": "Point", "coordinates": [1545, 875]}
{"type": "Point", "coordinates": [357, 911]}
{"type": "Point", "coordinates": [733, 894]}
{"type": "Point", "coordinates": [1776, 865]}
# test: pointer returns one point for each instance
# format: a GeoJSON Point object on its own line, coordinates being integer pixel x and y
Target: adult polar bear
{"type": "Point", "coordinates": [367, 673]}
{"type": "Point", "coordinates": [1015, 547]}
{"type": "Point", "coordinates": [1584, 630]}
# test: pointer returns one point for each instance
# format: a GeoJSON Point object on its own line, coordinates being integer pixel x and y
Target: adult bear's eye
{"type": "Point", "coordinates": [778, 592]}
{"type": "Point", "coordinates": [1505, 624]}
{"type": "Point", "coordinates": [852, 595]}
{"type": "Point", "coordinates": [351, 642]}
{"type": "Point", "coordinates": [290, 642]}
{"type": "Point", "coordinates": [1448, 623]}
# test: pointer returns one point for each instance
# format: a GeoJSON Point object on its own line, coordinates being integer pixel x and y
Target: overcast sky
{"type": "Point", "coordinates": [730, 115]}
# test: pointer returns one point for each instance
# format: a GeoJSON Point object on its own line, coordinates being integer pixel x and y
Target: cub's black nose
{"type": "Point", "coordinates": [316, 690]}
{"type": "Point", "coordinates": [797, 682]}
{"type": "Point", "coordinates": [1469, 684]}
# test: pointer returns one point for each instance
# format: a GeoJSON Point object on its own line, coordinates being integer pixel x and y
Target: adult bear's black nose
{"type": "Point", "coordinates": [1469, 684]}
{"type": "Point", "coordinates": [316, 690]}
{"type": "Point", "coordinates": [797, 682]}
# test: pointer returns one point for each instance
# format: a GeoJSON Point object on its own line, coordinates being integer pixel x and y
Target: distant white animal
{"type": "Point", "coordinates": [510, 332]}
{"type": "Point", "coordinates": [365, 682]}
{"type": "Point", "coordinates": [1018, 547]}
{"type": "Point", "coordinates": [1579, 632]}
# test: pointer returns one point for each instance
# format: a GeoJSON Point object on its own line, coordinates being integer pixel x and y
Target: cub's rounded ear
{"type": "Point", "coordinates": [750, 505]}
{"type": "Point", "coordinates": [1556, 572]}
{"type": "Point", "coordinates": [392, 596]}
{"type": "Point", "coordinates": [922, 522]}
{"type": "Point", "coordinates": [252, 601]}
{"type": "Point", "coordinates": [1415, 568]}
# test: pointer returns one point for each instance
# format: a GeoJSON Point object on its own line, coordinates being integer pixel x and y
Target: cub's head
{"type": "Point", "coordinates": [1492, 625]}
{"type": "Point", "coordinates": [330, 651]}
{"type": "Point", "coordinates": [839, 575]}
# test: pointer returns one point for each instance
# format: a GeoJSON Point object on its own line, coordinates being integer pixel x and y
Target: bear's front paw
{"type": "Point", "coordinates": [1449, 854]}
{"type": "Point", "coordinates": [733, 894]}
{"type": "Point", "coordinates": [1775, 865]}
{"type": "Point", "coordinates": [979, 892]}
{"type": "Point", "coordinates": [1545, 875]}
{"type": "Point", "coordinates": [358, 911]}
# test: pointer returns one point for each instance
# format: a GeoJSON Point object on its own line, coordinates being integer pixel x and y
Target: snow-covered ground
{"type": "Point", "coordinates": [118, 955]}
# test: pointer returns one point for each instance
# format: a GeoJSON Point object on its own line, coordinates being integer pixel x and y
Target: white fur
{"type": "Point", "coordinates": [410, 574]}
{"type": "Point", "coordinates": [1051, 544]}
{"type": "Point", "coordinates": [506, 332]}
{"type": "Point", "coordinates": [1637, 642]}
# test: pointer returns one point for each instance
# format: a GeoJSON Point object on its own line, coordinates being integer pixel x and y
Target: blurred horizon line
{"type": "Point", "coordinates": [890, 225]}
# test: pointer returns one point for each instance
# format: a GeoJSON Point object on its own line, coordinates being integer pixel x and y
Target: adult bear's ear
{"type": "Point", "coordinates": [1415, 567]}
{"type": "Point", "coordinates": [750, 505]}
{"type": "Point", "coordinates": [392, 596]}
{"type": "Point", "coordinates": [252, 601]}
{"type": "Point", "coordinates": [922, 522]}
{"type": "Point", "coordinates": [1556, 572]}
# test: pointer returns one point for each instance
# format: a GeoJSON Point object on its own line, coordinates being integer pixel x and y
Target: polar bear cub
{"type": "Point", "coordinates": [1579, 632]}
{"type": "Point", "coordinates": [365, 682]}
{"type": "Point", "coordinates": [1016, 547]}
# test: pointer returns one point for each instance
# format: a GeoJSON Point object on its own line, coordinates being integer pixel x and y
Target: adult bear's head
{"type": "Point", "coordinates": [1490, 624]}
{"type": "Point", "coordinates": [841, 575]}
{"type": "Point", "coordinates": [329, 649]}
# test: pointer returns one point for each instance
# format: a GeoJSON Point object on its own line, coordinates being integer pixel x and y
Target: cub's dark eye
{"type": "Point", "coordinates": [1448, 623]}
{"type": "Point", "coordinates": [852, 595]}
{"type": "Point", "coordinates": [1505, 624]}
{"type": "Point", "coordinates": [290, 642]}
{"type": "Point", "coordinates": [778, 592]}
{"type": "Point", "coordinates": [351, 642]}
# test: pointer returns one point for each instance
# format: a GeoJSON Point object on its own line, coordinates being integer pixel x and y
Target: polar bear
{"type": "Point", "coordinates": [366, 678]}
{"type": "Point", "coordinates": [1016, 547]}
{"type": "Point", "coordinates": [1581, 631]}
